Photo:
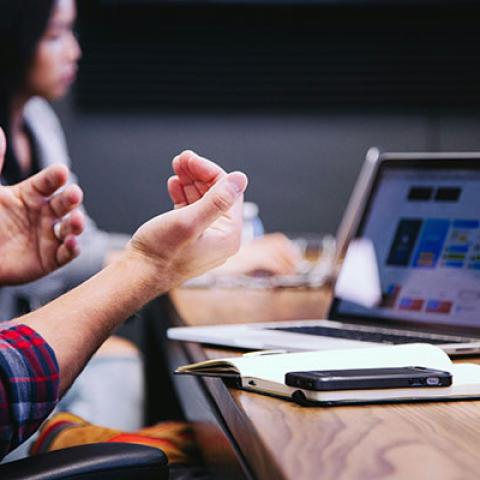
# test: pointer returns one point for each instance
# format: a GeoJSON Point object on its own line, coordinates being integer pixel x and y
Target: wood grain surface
{"type": "Point", "coordinates": [281, 440]}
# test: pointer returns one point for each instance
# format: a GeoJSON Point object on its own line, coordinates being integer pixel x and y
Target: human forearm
{"type": "Point", "coordinates": [164, 252]}
{"type": "Point", "coordinates": [77, 323]}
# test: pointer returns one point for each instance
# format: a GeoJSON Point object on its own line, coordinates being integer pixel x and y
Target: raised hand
{"type": "Point", "coordinates": [204, 229]}
{"type": "Point", "coordinates": [274, 253]}
{"type": "Point", "coordinates": [31, 246]}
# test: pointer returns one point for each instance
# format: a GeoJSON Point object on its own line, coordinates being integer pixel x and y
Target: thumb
{"type": "Point", "coordinates": [217, 201]}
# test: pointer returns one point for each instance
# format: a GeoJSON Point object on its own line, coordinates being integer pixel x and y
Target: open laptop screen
{"type": "Point", "coordinates": [424, 221]}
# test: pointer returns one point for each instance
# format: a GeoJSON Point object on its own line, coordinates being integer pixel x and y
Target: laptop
{"type": "Point", "coordinates": [421, 213]}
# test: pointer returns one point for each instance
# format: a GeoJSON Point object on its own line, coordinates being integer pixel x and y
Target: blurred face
{"type": "Point", "coordinates": [55, 62]}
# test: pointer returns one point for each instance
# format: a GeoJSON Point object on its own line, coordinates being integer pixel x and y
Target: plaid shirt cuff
{"type": "Point", "coordinates": [29, 385]}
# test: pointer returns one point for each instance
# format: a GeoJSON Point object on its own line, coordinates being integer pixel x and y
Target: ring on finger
{"type": "Point", "coordinates": [57, 230]}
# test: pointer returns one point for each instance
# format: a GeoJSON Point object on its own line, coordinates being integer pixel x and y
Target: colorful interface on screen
{"type": "Point", "coordinates": [425, 226]}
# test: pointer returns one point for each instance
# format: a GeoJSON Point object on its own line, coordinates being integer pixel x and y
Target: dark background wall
{"type": "Point", "coordinates": [294, 97]}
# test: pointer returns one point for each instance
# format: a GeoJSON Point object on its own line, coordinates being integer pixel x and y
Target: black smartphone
{"type": "Point", "coordinates": [369, 378]}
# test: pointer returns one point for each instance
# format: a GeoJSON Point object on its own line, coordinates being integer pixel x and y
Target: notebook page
{"type": "Point", "coordinates": [274, 367]}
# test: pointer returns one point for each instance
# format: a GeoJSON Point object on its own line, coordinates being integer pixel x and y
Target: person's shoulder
{"type": "Point", "coordinates": [47, 131]}
{"type": "Point", "coordinates": [38, 111]}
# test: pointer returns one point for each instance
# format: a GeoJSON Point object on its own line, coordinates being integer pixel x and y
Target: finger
{"type": "Point", "coordinates": [192, 167]}
{"type": "Point", "coordinates": [276, 263]}
{"type": "Point", "coordinates": [64, 202]}
{"type": "Point", "coordinates": [67, 251]}
{"type": "Point", "coordinates": [192, 194]}
{"type": "Point", "coordinates": [203, 170]}
{"type": "Point", "coordinates": [189, 189]}
{"type": "Point", "coordinates": [3, 148]}
{"type": "Point", "coordinates": [179, 165]}
{"type": "Point", "coordinates": [273, 267]}
{"type": "Point", "coordinates": [197, 174]}
{"type": "Point", "coordinates": [46, 182]}
{"type": "Point", "coordinates": [204, 173]}
{"type": "Point", "coordinates": [175, 190]}
{"type": "Point", "coordinates": [286, 265]}
{"type": "Point", "coordinates": [202, 188]}
{"type": "Point", "coordinates": [72, 225]}
{"type": "Point", "coordinates": [217, 201]}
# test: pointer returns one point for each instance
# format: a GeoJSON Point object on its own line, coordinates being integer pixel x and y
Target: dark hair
{"type": "Point", "coordinates": [22, 24]}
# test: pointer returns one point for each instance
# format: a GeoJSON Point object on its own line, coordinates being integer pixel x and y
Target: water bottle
{"type": "Point", "coordinates": [252, 225]}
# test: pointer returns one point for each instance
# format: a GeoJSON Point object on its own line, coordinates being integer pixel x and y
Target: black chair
{"type": "Point", "coordinates": [105, 461]}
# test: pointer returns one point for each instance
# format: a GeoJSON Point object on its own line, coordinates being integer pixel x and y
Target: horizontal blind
{"type": "Point", "coordinates": [151, 56]}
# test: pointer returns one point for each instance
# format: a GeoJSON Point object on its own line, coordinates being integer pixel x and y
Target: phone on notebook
{"type": "Point", "coordinates": [369, 378]}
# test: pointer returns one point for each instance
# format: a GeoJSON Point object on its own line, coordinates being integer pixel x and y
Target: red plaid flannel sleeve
{"type": "Point", "coordinates": [29, 380]}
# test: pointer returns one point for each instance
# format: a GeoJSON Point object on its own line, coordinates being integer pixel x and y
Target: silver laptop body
{"type": "Point", "coordinates": [421, 211]}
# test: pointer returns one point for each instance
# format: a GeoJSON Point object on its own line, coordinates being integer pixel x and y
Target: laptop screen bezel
{"type": "Point", "coordinates": [443, 161]}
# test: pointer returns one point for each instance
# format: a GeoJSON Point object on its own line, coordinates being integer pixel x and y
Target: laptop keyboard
{"type": "Point", "coordinates": [370, 336]}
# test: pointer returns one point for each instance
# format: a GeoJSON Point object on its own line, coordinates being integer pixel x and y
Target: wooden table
{"type": "Point", "coordinates": [246, 435]}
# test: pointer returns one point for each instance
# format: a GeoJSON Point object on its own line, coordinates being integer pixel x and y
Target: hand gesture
{"type": "Point", "coordinates": [35, 238]}
{"type": "Point", "coordinates": [205, 227]}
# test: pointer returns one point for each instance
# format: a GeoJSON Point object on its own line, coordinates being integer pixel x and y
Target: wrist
{"type": "Point", "coordinates": [151, 277]}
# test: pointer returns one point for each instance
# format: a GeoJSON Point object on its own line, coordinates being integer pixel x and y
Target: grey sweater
{"type": "Point", "coordinates": [94, 243]}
